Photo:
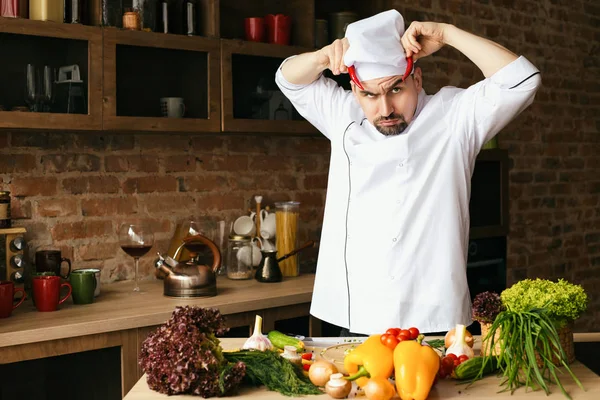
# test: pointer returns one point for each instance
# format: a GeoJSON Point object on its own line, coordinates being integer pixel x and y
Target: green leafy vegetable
{"type": "Point", "coordinates": [275, 372]}
{"type": "Point", "coordinates": [563, 301]}
{"type": "Point", "coordinates": [522, 334]}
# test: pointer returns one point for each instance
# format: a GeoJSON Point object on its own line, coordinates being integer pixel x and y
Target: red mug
{"type": "Point", "coordinates": [7, 295]}
{"type": "Point", "coordinates": [46, 292]}
{"type": "Point", "coordinates": [279, 28]}
{"type": "Point", "coordinates": [255, 29]}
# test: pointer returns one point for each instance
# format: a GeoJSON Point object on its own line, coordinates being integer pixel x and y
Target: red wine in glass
{"type": "Point", "coordinates": [136, 251]}
{"type": "Point", "coordinates": [136, 240]}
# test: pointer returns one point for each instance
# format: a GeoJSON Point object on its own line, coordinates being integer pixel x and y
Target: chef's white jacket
{"type": "Point", "coordinates": [395, 232]}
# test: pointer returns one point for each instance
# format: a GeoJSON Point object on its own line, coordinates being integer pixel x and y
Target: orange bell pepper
{"type": "Point", "coordinates": [369, 360]}
{"type": "Point", "coordinates": [416, 368]}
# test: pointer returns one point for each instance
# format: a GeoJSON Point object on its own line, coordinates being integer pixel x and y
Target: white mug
{"type": "Point", "coordinates": [267, 225]}
{"type": "Point", "coordinates": [244, 225]}
{"type": "Point", "coordinates": [172, 107]}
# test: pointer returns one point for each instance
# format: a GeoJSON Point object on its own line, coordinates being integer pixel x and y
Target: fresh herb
{"type": "Point", "coordinates": [564, 301]}
{"type": "Point", "coordinates": [275, 372]}
{"type": "Point", "coordinates": [486, 306]}
{"type": "Point", "coordinates": [436, 343]}
{"type": "Point", "coordinates": [522, 335]}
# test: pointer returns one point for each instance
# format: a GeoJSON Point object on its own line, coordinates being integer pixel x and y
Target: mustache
{"type": "Point", "coordinates": [390, 117]}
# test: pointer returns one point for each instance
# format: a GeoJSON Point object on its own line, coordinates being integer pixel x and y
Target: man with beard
{"type": "Point", "coordinates": [396, 226]}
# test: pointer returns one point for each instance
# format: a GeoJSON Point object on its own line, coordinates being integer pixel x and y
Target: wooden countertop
{"type": "Point", "coordinates": [445, 389]}
{"type": "Point", "coordinates": [119, 308]}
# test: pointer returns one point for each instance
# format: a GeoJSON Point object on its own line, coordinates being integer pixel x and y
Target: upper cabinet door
{"type": "Point", "coordinates": [33, 95]}
{"type": "Point", "coordinates": [251, 100]}
{"type": "Point", "coordinates": [160, 82]}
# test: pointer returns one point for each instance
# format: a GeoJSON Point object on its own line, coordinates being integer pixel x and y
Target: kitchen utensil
{"type": "Point", "coordinates": [70, 91]}
{"type": "Point", "coordinates": [46, 292]}
{"type": "Point", "coordinates": [267, 224]}
{"type": "Point", "coordinates": [310, 243]}
{"type": "Point", "coordinates": [258, 220]}
{"type": "Point", "coordinates": [279, 28]}
{"type": "Point", "coordinates": [254, 28]}
{"type": "Point", "coordinates": [244, 225]}
{"type": "Point", "coordinates": [96, 273]}
{"type": "Point", "coordinates": [51, 261]}
{"type": "Point", "coordinates": [268, 271]}
{"type": "Point", "coordinates": [136, 240]}
{"type": "Point", "coordinates": [239, 257]}
{"type": "Point", "coordinates": [172, 107]}
{"type": "Point", "coordinates": [190, 279]}
{"type": "Point", "coordinates": [7, 295]}
{"type": "Point", "coordinates": [84, 286]}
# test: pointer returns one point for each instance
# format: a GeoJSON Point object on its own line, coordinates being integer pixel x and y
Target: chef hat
{"type": "Point", "coordinates": [375, 50]}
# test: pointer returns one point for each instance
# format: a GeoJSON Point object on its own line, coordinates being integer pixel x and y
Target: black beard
{"type": "Point", "coordinates": [391, 130]}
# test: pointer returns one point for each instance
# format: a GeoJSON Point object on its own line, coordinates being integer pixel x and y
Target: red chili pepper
{"type": "Point", "coordinates": [306, 367]}
{"type": "Point", "coordinates": [307, 356]}
{"type": "Point", "coordinates": [409, 67]}
{"type": "Point", "coordinates": [354, 77]}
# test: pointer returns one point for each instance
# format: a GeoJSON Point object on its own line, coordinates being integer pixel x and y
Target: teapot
{"type": "Point", "coordinates": [190, 278]}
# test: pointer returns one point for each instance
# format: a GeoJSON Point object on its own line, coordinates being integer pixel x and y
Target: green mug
{"type": "Point", "coordinates": [84, 285]}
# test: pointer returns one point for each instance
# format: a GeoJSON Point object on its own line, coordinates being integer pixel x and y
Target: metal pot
{"type": "Point", "coordinates": [190, 278]}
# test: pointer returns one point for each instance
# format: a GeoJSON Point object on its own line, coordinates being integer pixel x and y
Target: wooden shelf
{"type": "Point", "coordinates": [231, 123]}
{"type": "Point", "coordinates": [209, 80]}
{"type": "Point", "coordinates": [53, 37]}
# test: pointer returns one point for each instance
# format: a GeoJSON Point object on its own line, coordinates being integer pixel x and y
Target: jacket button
{"type": "Point", "coordinates": [394, 239]}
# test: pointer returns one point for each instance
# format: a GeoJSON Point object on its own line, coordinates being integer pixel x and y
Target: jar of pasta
{"type": "Point", "coordinates": [286, 226]}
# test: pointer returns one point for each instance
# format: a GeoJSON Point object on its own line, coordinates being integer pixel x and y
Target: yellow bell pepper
{"type": "Point", "coordinates": [416, 367]}
{"type": "Point", "coordinates": [369, 360]}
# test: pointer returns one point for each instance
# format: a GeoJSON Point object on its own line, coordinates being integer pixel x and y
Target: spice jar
{"type": "Point", "coordinates": [4, 209]}
{"type": "Point", "coordinates": [286, 225]}
{"type": "Point", "coordinates": [131, 20]}
{"type": "Point", "coordinates": [239, 257]}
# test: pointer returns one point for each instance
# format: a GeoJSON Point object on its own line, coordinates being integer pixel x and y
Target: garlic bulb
{"type": "Point", "coordinates": [257, 341]}
{"type": "Point", "coordinates": [460, 346]}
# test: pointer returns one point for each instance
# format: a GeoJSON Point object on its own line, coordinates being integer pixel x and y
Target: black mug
{"type": "Point", "coordinates": [51, 261]}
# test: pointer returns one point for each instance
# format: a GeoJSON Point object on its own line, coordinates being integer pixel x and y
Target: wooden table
{"type": "Point", "coordinates": [444, 389]}
{"type": "Point", "coordinates": [122, 318]}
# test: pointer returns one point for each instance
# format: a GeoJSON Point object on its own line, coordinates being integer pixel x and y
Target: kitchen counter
{"type": "Point", "coordinates": [120, 317]}
{"type": "Point", "coordinates": [444, 389]}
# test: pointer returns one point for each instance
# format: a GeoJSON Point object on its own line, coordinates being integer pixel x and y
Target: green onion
{"type": "Point", "coordinates": [521, 335]}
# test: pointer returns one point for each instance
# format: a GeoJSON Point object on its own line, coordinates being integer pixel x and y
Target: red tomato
{"type": "Point", "coordinates": [306, 367]}
{"type": "Point", "coordinates": [463, 358]}
{"type": "Point", "coordinates": [390, 342]}
{"type": "Point", "coordinates": [383, 338]}
{"type": "Point", "coordinates": [403, 335]}
{"type": "Point", "coordinates": [447, 364]}
{"type": "Point", "coordinates": [307, 356]}
{"type": "Point", "coordinates": [456, 363]}
{"type": "Point", "coordinates": [393, 331]}
{"type": "Point", "coordinates": [414, 333]}
{"type": "Point", "coordinates": [452, 356]}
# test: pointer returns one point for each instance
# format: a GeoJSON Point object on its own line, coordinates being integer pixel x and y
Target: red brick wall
{"type": "Point", "coordinates": [554, 146]}
{"type": "Point", "coordinates": [73, 191]}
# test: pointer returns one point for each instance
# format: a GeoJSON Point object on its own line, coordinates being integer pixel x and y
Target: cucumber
{"type": "Point", "coordinates": [281, 340]}
{"type": "Point", "coordinates": [470, 368]}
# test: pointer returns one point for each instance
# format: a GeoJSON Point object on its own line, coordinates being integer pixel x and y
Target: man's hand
{"type": "Point", "coordinates": [332, 56]}
{"type": "Point", "coordinates": [423, 38]}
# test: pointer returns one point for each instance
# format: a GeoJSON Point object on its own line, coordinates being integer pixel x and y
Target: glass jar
{"type": "Point", "coordinates": [239, 257]}
{"type": "Point", "coordinates": [286, 226]}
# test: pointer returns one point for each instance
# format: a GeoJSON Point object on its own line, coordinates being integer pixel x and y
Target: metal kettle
{"type": "Point", "coordinates": [190, 278]}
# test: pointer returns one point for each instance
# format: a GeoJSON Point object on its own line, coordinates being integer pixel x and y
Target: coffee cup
{"type": "Point", "coordinates": [51, 261]}
{"type": "Point", "coordinates": [46, 292]}
{"type": "Point", "coordinates": [7, 295]}
{"type": "Point", "coordinates": [96, 273]}
{"type": "Point", "coordinates": [84, 285]}
{"type": "Point", "coordinates": [172, 107]}
{"type": "Point", "coordinates": [244, 225]}
{"type": "Point", "coordinates": [267, 225]}
{"type": "Point", "coordinates": [250, 255]}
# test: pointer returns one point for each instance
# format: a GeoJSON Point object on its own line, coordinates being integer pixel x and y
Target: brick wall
{"type": "Point", "coordinates": [554, 146]}
{"type": "Point", "coordinates": [73, 191]}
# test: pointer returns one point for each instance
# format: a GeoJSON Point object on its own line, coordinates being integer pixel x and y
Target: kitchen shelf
{"type": "Point", "coordinates": [47, 43]}
{"type": "Point", "coordinates": [141, 67]}
{"type": "Point", "coordinates": [246, 66]}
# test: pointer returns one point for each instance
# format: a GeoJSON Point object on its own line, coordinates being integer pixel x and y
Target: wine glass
{"type": "Point", "coordinates": [47, 93]}
{"type": "Point", "coordinates": [32, 87]}
{"type": "Point", "coordinates": [136, 240]}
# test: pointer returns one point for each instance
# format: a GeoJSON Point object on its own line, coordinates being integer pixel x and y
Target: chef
{"type": "Point", "coordinates": [396, 226]}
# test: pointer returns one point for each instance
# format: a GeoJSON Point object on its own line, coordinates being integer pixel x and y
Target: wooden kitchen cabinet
{"type": "Point", "coordinates": [23, 42]}
{"type": "Point", "coordinates": [251, 101]}
{"type": "Point", "coordinates": [140, 68]}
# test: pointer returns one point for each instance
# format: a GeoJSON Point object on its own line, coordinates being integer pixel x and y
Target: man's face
{"type": "Point", "coordinates": [388, 103]}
